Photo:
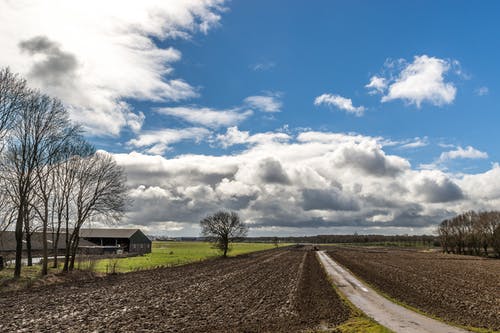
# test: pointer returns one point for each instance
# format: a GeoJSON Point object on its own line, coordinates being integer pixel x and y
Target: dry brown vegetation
{"type": "Point", "coordinates": [460, 289]}
{"type": "Point", "coordinates": [271, 291]}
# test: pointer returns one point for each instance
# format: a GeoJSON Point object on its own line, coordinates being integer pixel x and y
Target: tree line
{"type": "Point", "coordinates": [51, 179]}
{"type": "Point", "coordinates": [396, 240]}
{"type": "Point", "coordinates": [472, 233]}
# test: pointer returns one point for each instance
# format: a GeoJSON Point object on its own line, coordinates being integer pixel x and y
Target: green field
{"type": "Point", "coordinates": [172, 254]}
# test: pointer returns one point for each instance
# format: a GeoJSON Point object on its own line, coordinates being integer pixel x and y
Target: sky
{"type": "Point", "coordinates": [305, 117]}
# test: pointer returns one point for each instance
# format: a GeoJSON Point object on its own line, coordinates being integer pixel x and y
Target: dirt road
{"type": "Point", "coordinates": [387, 313]}
{"type": "Point", "coordinates": [271, 291]}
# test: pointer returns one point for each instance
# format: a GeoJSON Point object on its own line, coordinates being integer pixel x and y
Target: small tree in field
{"type": "Point", "coordinates": [223, 228]}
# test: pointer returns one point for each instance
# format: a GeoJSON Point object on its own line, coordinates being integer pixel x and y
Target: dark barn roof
{"type": "Point", "coordinates": [8, 241]}
{"type": "Point", "coordinates": [108, 233]}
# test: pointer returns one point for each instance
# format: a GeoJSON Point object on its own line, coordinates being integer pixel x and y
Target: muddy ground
{"type": "Point", "coordinates": [271, 291]}
{"type": "Point", "coordinates": [459, 289]}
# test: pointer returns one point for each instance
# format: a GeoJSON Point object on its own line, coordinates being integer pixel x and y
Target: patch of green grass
{"type": "Point", "coordinates": [174, 254]}
{"type": "Point", "coordinates": [362, 324]}
{"type": "Point", "coordinates": [29, 274]}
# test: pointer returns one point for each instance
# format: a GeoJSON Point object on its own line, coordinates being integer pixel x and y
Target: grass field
{"type": "Point", "coordinates": [172, 254]}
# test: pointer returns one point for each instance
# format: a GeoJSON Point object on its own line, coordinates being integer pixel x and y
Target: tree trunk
{"type": "Point", "coordinates": [56, 236]}
{"type": "Point", "coordinates": [27, 236]}
{"type": "Point", "coordinates": [68, 241]}
{"type": "Point", "coordinates": [29, 249]}
{"type": "Point", "coordinates": [73, 253]}
{"type": "Point", "coordinates": [67, 254]}
{"type": "Point", "coordinates": [45, 247]}
{"type": "Point", "coordinates": [19, 241]}
{"type": "Point", "coordinates": [226, 246]}
{"type": "Point", "coordinates": [56, 243]}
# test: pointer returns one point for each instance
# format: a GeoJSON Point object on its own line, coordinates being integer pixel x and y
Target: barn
{"type": "Point", "coordinates": [126, 240]}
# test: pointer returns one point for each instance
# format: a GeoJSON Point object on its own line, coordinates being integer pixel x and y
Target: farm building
{"type": "Point", "coordinates": [92, 241]}
{"type": "Point", "coordinates": [111, 240]}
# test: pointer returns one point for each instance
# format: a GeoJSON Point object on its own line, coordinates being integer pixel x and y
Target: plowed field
{"type": "Point", "coordinates": [459, 289]}
{"type": "Point", "coordinates": [270, 291]}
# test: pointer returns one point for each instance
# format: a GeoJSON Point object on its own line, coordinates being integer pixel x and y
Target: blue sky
{"type": "Point", "coordinates": [263, 106]}
{"type": "Point", "coordinates": [335, 47]}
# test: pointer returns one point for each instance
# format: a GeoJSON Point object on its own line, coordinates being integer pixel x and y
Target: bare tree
{"type": "Point", "coordinates": [64, 176]}
{"type": "Point", "coordinates": [44, 185]}
{"type": "Point", "coordinates": [469, 232]}
{"type": "Point", "coordinates": [98, 191]}
{"type": "Point", "coordinates": [41, 125]}
{"type": "Point", "coordinates": [222, 229]}
{"type": "Point", "coordinates": [13, 92]}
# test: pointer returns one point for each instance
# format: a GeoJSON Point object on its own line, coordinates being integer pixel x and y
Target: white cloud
{"type": "Point", "coordinates": [467, 153]}
{"type": "Point", "coordinates": [233, 136]}
{"type": "Point", "coordinates": [306, 183]}
{"type": "Point", "coordinates": [415, 143]}
{"type": "Point", "coordinates": [339, 102]}
{"type": "Point", "coordinates": [265, 103]}
{"type": "Point", "coordinates": [158, 141]}
{"type": "Point", "coordinates": [207, 116]}
{"type": "Point", "coordinates": [263, 66]}
{"type": "Point", "coordinates": [482, 91]}
{"type": "Point", "coordinates": [377, 85]}
{"type": "Point", "coordinates": [135, 121]}
{"type": "Point", "coordinates": [422, 81]}
{"type": "Point", "coordinates": [95, 54]}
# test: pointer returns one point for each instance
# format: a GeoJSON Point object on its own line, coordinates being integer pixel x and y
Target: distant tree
{"type": "Point", "coordinates": [495, 243]}
{"type": "Point", "coordinates": [276, 241]}
{"type": "Point", "coordinates": [222, 229]}
{"type": "Point", "coordinates": [470, 232]}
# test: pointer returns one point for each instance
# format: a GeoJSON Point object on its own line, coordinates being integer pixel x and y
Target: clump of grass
{"type": "Point", "coordinates": [362, 324]}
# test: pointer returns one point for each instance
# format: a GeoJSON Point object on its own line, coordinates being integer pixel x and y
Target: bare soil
{"type": "Point", "coordinates": [270, 291]}
{"type": "Point", "coordinates": [459, 289]}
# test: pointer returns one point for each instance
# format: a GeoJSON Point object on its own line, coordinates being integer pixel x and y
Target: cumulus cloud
{"type": "Point", "coordinates": [370, 159]}
{"type": "Point", "coordinates": [234, 136]}
{"type": "Point", "coordinates": [94, 55]}
{"type": "Point", "coordinates": [461, 153]}
{"type": "Point", "coordinates": [56, 67]}
{"type": "Point", "coordinates": [339, 102]}
{"type": "Point", "coordinates": [207, 116]}
{"type": "Point", "coordinates": [377, 85]}
{"type": "Point", "coordinates": [435, 187]}
{"type": "Point", "coordinates": [158, 141]}
{"type": "Point", "coordinates": [423, 80]}
{"type": "Point", "coordinates": [329, 199]}
{"type": "Point", "coordinates": [331, 181]}
{"type": "Point", "coordinates": [266, 103]}
{"type": "Point", "coordinates": [270, 171]}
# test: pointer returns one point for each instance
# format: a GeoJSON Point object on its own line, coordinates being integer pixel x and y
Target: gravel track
{"type": "Point", "coordinates": [269, 291]}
